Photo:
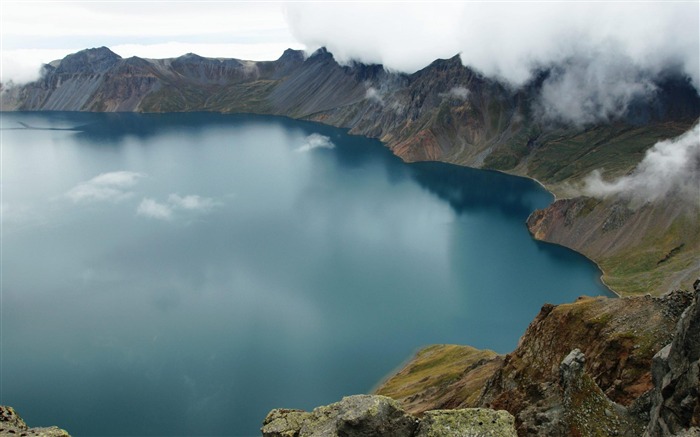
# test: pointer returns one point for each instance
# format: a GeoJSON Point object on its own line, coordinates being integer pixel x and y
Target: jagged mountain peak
{"type": "Point", "coordinates": [291, 55]}
{"type": "Point", "coordinates": [94, 60]}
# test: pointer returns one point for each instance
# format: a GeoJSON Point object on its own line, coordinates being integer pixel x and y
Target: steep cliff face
{"type": "Point", "coordinates": [548, 390]}
{"type": "Point", "coordinates": [676, 376]}
{"type": "Point", "coordinates": [445, 112]}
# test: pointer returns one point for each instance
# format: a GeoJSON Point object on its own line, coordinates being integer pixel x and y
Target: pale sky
{"type": "Point", "coordinates": [504, 39]}
{"type": "Point", "coordinates": [36, 32]}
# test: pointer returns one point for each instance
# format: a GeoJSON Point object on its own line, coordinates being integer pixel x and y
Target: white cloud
{"type": "Point", "coordinates": [315, 141]}
{"type": "Point", "coordinates": [24, 65]}
{"type": "Point", "coordinates": [593, 89]}
{"type": "Point", "coordinates": [113, 186]}
{"type": "Point", "coordinates": [153, 209]}
{"type": "Point", "coordinates": [374, 95]}
{"type": "Point", "coordinates": [669, 166]}
{"type": "Point", "coordinates": [166, 211]}
{"type": "Point", "coordinates": [150, 19]}
{"type": "Point", "coordinates": [457, 92]}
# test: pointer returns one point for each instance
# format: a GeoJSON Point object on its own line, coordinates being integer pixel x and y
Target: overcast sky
{"type": "Point", "coordinates": [507, 39]}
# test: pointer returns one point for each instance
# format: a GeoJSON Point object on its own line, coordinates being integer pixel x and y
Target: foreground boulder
{"type": "Point", "coordinates": [376, 416]}
{"type": "Point", "coordinates": [11, 424]}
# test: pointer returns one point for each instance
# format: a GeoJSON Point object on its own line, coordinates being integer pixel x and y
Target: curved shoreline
{"type": "Point", "coordinates": [387, 146]}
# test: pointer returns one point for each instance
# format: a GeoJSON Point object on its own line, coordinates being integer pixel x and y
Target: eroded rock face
{"type": "Point", "coordinates": [619, 337]}
{"type": "Point", "coordinates": [586, 409]}
{"type": "Point", "coordinates": [676, 375]}
{"type": "Point", "coordinates": [11, 424]}
{"type": "Point", "coordinates": [375, 416]}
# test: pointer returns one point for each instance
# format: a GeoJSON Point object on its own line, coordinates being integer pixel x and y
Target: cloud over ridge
{"type": "Point", "coordinates": [670, 166]}
{"type": "Point", "coordinates": [607, 53]}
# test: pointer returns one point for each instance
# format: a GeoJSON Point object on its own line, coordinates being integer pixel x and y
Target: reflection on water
{"type": "Point", "coordinates": [182, 274]}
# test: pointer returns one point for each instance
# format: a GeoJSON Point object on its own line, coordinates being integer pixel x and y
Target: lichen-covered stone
{"type": "Point", "coordinates": [468, 422]}
{"type": "Point", "coordinates": [283, 422]}
{"type": "Point", "coordinates": [11, 424]}
{"type": "Point", "coordinates": [353, 416]}
{"type": "Point", "coordinates": [359, 416]}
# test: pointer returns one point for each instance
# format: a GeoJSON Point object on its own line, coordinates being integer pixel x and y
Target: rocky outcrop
{"type": "Point", "coordinates": [361, 415]}
{"type": "Point", "coordinates": [586, 411]}
{"type": "Point", "coordinates": [676, 376]}
{"type": "Point", "coordinates": [549, 389]}
{"type": "Point", "coordinates": [376, 416]}
{"type": "Point", "coordinates": [11, 424]}
{"type": "Point", "coordinates": [618, 337]}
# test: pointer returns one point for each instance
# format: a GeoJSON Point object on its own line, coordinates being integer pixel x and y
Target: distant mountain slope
{"type": "Point", "coordinates": [444, 112]}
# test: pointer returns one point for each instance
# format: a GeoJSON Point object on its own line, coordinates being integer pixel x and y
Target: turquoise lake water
{"type": "Point", "coordinates": [182, 274]}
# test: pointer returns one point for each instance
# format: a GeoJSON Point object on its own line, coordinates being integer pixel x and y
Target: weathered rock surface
{"type": "Point", "coordinates": [676, 375]}
{"type": "Point", "coordinates": [375, 416]}
{"type": "Point", "coordinates": [470, 422]}
{"type": "Point", "coordinates": [358, 416]}
{"type": "Point", "coordinates": [11, 424]}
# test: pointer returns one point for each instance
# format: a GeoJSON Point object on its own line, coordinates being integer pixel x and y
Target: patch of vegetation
{"type": "Point", "coordinates": [434, 366]}
{"type": "Point", "coordinates": [617, 149]}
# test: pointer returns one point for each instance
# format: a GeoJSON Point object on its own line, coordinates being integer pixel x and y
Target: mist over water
{"type": "Point", "coordinates": [182, 274]}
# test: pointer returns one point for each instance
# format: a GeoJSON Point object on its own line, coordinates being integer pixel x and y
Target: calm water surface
{"type": "Point", "coordinates": [183, 274]}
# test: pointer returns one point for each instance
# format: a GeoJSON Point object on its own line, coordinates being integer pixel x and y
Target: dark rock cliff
{"type": "Point", "coordinates": [676, 376]}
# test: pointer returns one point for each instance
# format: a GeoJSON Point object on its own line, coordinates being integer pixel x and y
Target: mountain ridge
{"type": "Point", "coordinates": [443, 112]}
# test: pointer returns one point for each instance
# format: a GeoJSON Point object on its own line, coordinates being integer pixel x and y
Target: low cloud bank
{"type": "Point", "coordinates": [669, 167]}
{"type": "Point", "coordinates": [604, 54]}
{"type": "Point", "coordinates": [315, 141]}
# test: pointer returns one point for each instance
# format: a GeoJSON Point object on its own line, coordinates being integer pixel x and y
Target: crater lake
{"type": "Point", "coordinates": [183, 274]}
